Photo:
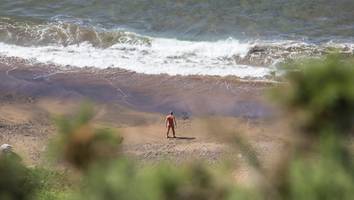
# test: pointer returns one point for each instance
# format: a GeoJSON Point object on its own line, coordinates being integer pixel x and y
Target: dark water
{"type": "Point", "coordinates": [315, 20]}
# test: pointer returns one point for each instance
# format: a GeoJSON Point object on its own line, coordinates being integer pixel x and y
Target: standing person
{"type": "Point", "coordinates": [171, 123]}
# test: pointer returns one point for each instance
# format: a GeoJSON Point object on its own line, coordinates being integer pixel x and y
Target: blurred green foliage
{"type": "Point", "coordinates": [124, 180]}
{"type": "Point", "coordinates": [327, 175]}
{"type": "Point", "coordinates": [52, 184]}
{"type": "Point", "coordinates": [16, 182]}
{"type": "Point", "coordinates": [319, 99]}
{"type": "Point", "coordinates": [81, 144]}
{"type": "Point", "coordinates": [319, 95]}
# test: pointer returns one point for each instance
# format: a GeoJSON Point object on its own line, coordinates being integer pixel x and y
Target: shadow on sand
{"type": "Point", "coordinates": [183, 138]}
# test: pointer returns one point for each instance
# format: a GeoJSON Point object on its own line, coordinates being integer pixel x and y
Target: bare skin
{"type": "Point", "coordinates": [171, 123]}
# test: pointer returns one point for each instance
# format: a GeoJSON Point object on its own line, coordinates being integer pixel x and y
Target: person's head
{"type": "Point", "coordinates": [171, 112]}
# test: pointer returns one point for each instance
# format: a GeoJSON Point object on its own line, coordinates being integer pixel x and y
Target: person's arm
{"type": "Point", "coordinates": [166, 122]}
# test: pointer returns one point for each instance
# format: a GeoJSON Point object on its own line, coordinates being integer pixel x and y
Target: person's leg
{"type": "Point", "coordinates": [168, 132]}
{"type": "Point", "coordinates": [173, 131]}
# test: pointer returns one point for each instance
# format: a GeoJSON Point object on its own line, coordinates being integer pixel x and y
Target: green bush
{"type": "Point", "coordinates": [52, 184]}
{"type": "Point", "coordinates": [328, 175]}
{"type": "Point", "coordinates": [16, 182]}
{"type": "Point", "coordinates": [124, 180]}
{"type": "Point", "coordinates": [319, 98]}
{"type": "Point", "coordinates": [81, 144]}
{"type": "Point", "coordinates": [319, 95]}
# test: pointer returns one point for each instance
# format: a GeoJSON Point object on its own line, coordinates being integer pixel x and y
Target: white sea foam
{"type": "Point", "coordinates": [169, 56]}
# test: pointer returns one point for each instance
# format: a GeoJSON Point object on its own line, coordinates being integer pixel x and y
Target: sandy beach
{"type": "Point", "coordinates": [135, 104]}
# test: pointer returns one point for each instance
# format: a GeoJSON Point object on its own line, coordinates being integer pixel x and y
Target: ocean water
{"type": "Point", "coordinates": [244, 38]}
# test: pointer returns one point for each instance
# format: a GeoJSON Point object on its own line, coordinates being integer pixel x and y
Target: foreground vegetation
{"type": "Point", "coordinates": [318, 100]}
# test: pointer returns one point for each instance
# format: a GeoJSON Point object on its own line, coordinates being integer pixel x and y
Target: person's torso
{"type": "Point", "coordinates": [170, 120]}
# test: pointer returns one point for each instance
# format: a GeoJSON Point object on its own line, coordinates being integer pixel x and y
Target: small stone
{"type": "Point", "coordinates": [5, 148]}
